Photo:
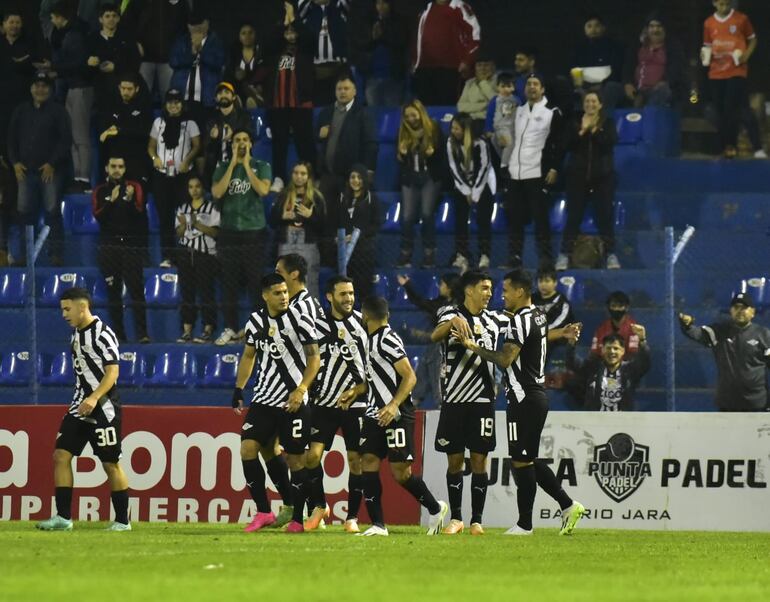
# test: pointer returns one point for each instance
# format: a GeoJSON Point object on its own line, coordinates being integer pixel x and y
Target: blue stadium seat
{"type": "Point", "coordinates": [445, 216]}
{"type": "Point", "coordinates": [499, 220]}
{"type": "Point", "coordinates": [630, 126]}
{"type": "Point", "coordinates": [388, 122]}
{"type": "Point", "coordinates": [173, 369]}
{"type": "Point", "coordinates": [443, 115]}
{"type": "Point", "coordinates": [386, 174]}
{"type": "Point", "coordinates": [571, 288]}
{"type": "Point", "coordinates": [56, 284]}
{"type": "Point", "coordinates": [12, 287]}
{"type": "Point", "coordinates": [82, 220]}
{"type": "Point", "coordinates": [152, 214]}
{"type": "Point", "coordinates": [220, 370]}
{"type": "Point", "coordinates": [558, 217]}
{"type": "Point", "coordinates": [381, 285]}
{"type": "Point", "coordinates": [162, 289]}
{"type": "Point", "coordinates": [132, 369]}
{"type": "Point", "coordinates": [392, 218]}
{"type": "Point", "coordinates": [58, 371]}
{"type": "Point", "coordinates": [15, 368]}
{"type": "Point", "coordinates": [756, 288]}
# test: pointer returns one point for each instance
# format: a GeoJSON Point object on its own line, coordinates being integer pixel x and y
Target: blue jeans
{"type": "Point", "coordinates": [423, 199]}
{"type": "Point", "coordinates": [32, 193]}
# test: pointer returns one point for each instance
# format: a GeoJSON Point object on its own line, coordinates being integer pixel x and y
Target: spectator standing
{"type": "Point", "coordinates": [500, 124]}
{"type": "Point", "coordinates": [536, 155]}
{"type": "Point", "coordinates": [125, 129]}
{"type": "Point", "coordinates": [289, 94]}
{"type": "Point", "coordinates": [247, 69]}
{"type": "Point", "coordinates": [380, 55]}
{"type": "Point", "coordinates": [239, 186]}
{"type": "Point", "coordinates": [227, 117]}
{"type": "Point", "coordinates": [620, 322]}
{"type": "Point", "coordinates": [475, 184]}
{"type": "Point", "coordinates": [742, 353]}
{"type": "Point", "coordinates": [429, 367]}
{"type": "Point", "coordinates": [607, 383]}
{"type": "Point", "coordinates": [298, 216]}
{"type": "Point", "coordinates": [198, 60]}
{"type": "Point", "coordinates": [39, 141]}
{"type": "Point", "coordinates": [554, 305]}
{"type": "Point", "coordinates": [729, 42]}
{"type": "Point", "coordinates": [658, 76]}
{"type": "Point", "coordinates": [358, 207]}
{"type": "Point", "coordinates": [477, 93]}
{"type": "Point", "coordinates": [590, 141]}
{"type": "Point", "coordinates": [173, 145]}
{"type": "Point", "coordinates": [346, 136]}
{"type": "Point", "coordinates": [524, 63]}
{"type": "Point", "coordinates": [597, 63]}
{"type": "Point", "coordinates": [74, 81]}
{"type": "Point", "coordinates": [197, 227]}
{"type": "Point", "coordinates": [111, 53]}
{"type": "Point", "coordinates": [421, 154]}
{"type": "Point", "coordinates": [448, 38]}
{"type": "Point", "coordinates": [158, 24]}
{"type": "Point", "coordinates": [327, 22]}
{"type": "Point", "coordinates": [118, 206]}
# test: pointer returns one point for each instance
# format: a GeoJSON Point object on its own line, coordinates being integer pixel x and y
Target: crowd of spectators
{"type": "Point", "coordinates": [107, 67]}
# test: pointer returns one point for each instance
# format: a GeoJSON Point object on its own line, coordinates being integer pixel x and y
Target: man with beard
{"type": "Point", "coordinates": [228, 117]}
{"type": "Point", "coordinates": [125, 127]}
{"type": "Point", "coordinates": [118, 206]}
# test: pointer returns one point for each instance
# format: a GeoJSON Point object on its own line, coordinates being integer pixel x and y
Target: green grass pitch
{"type": "Point", "coordinates": [186, 562]}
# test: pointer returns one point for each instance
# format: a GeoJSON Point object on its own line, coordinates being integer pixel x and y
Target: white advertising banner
{"type": "Point", "coordinates": [646, 470]}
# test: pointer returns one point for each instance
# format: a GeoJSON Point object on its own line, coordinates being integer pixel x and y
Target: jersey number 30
{"type": "Point", "coordinates": [106, 436]}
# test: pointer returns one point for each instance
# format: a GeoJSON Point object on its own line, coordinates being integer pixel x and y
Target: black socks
{"type": "Point", "coordinates": [255, 481]}
{"type": "Point", "coordinates": [355, 494]}
{"type": "Point", "coordinates": [373, 497]}
{"type": "Point", "coordinates": [120, 503]}
{"type": "Point", "coordinates": [526, 487]}
{"type": "Point", "coordinates": [64, 502]}
{"type": "Point", "coordinates": [279, 475]}
{"type": "Point", "coordinates": [478, 496]}
{"type": "Point", "coordinates": [549, 483]}
{"type": "Point", "coordinates": [419, 490]}
{"type": "Point", "coordinates": [454, 485]}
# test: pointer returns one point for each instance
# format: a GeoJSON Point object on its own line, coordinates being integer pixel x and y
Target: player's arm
{"type": "Point", "coordinates": [312, 367]}
{"type": "Point", "coordinates": [348, 396]}
{"type": "Point", "coordinates": [570, 333]}
{"type": "Point", "coordinates": [443, 330]}
{"type": "Point", "coordinates": [245, 368]}
{"type": "Point", "coordinates": [389, 412]}
{"type": "Point", "coordinates": [108, 381]}
{"type": "Point", "coordinates": [502, 359]}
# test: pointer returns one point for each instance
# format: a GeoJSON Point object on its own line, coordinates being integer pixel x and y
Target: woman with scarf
{"type": "Point", "coordinates": [358, 208]}
{"type": "Point", "coordinates": [174, 144]}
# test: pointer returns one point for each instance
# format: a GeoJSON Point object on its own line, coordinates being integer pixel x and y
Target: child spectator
{"type": "Point", "coordinates": [298, 216]}
{"type": "Point", "coordinates": [607, 383]}
{"type": "Point", "coordinates": [590, 141]}
{"type": "Point", "coordinates": [197, 227]}
{"type": "Point", "coordinates": [421, 154]}
{"type": "Point", "coordinates": [620, 323]}
{"type": "Point", "coordinates": [501, 118]}
{"type": "Point", "coordinates": [552, 303]}
{"type": "Point", "coordinates": [247, 69]}
{"type": "Point", "coordinates": [475, 184]}
{"type": "Point", "coordinates": [729, 42]}
{"type": "Point", "coordinates": [477, 93]}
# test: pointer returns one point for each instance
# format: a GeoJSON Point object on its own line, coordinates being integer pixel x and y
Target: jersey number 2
{"type": "Point", "coordinates": [106, 436]}
{"type": "Point", "coordinates": [296, 428]}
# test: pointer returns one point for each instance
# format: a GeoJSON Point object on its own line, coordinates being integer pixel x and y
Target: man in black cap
{"type": "Point", "coordinates": [228, 117]}
{"type": "Point", "coordinates": [742, 353]}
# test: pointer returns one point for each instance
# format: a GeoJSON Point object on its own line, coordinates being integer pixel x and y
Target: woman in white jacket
{"type": "Point", "coordinates": [475, 184]}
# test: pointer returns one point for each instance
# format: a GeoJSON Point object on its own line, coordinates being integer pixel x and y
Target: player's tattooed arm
{"type": "Point", "coordinates": [297, 396]}
{"type": "Point", "coordinates": [502, 359]}
{"type": "Point", "coordinates": [443, 330]}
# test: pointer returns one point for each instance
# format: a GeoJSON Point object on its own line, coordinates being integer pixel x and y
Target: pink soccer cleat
{"type": "Point", "coordinates": [294, 527]}
{"type": "Point", "coordinates": [260, 520]}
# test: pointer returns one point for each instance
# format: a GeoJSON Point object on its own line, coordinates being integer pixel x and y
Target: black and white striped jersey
{"type": "Point", "coordinates": [466, 377]}
{"type": "Point", "coordinates": [557, 309]}
{"type": "Point", "coordinates": [281, 359]}
{"type": "Point", "coordinates": [308, 305]}
{"type": "Point", "coordinates": [343, 345]}
{"type": "Point", "coordinates": [529, 330]}
{"type": "Point", "coordinates": [93, 348]}
{"type": "Point", "coordinates": [385, 349]}
{"type": "Point", "coordinates": [208, 215]}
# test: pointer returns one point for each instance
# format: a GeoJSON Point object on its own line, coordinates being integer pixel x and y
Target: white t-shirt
{"type": "Point", "coordinates": [173, 157]}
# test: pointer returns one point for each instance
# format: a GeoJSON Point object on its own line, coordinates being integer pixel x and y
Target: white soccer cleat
{"type": "Point", "coordinates": [436, 521]}
{"type": "Point", "coordinates": [374, 530]}
{"type": "Point", "coordinates": [517, 530]}
{"type": "Point", "coordinates": [116, 526]}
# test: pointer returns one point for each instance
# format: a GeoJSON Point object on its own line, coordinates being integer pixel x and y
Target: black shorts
{"type": "Point", "coordinates": [396, 441]}
{"type": "Point", "coordinates": [464, 426]}
{"type": "Point", "coordinates": [263, 423]}
{"type": "Point", "coordinates": [525, 421]}
{"type": "Point", "coordinates": [324, 423]}
{"type": "Point", "coordinates": [103, 436]}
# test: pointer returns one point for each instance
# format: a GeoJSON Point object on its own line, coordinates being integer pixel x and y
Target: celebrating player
{"type": "Point", "coordinates": [283, 339]}
{"type": "Point", "coordinates": [338, 397]}
{"type": "Point", "coordinates": [93, 415]}
{"type": "Point", "coordinates": [389, 423]}
{"type": "Point", "coordinates": [523, 360]}
{"type": "Point", "coordinates": [467, 418]}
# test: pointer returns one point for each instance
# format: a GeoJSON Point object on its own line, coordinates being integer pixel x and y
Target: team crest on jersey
{"type": "Point", "coordinates": [620, 466]}
{"type": "Point", "coordinates": [733, 29]}
{"type": "Point", "coordinates": [477, 329]}
{"type": "Point", "coordinates": [341, 333]}
{"type": "Point", "coordinates": [271, 332]}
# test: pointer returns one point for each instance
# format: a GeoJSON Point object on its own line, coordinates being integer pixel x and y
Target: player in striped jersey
{"type": "Point", "coordinates": [338, 397]}
{"type": "Point", "coordinates": [388, 428]}
{"type": "Point", "coordinates": [523, 359]}
{"type": "Point", "coordinates": [94, 412]}
{"type": "Point", "coordinates": [283, 340]}
{"type": "Point", "coordinates": [467, 419]}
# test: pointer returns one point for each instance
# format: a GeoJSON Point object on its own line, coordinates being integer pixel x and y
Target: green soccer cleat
{"type": "Point", "coordinates": [283, 517]}
{"type": "Point", "coordinates": [119, 527]}
{"type": "Point", "coordinates": [570, 518]}
{"type": "Point", "coordinates": [55, 523]}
